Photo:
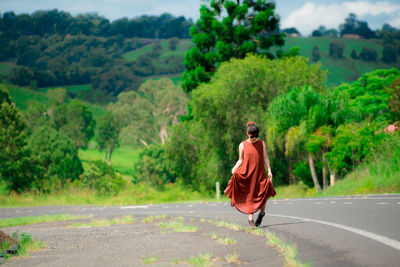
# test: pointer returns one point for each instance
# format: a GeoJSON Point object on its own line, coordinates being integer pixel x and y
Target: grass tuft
{"type": "Point", "coordinates": [177, 226]}
{"type": "Point", "coordinates": [150, 219]}
{"type": "Point", "coordinates": [150, 260]}
{"type": "Point", "coordinates": [39, 219]}
{"type": "Point", "coordinates": [232, 258]}
{"type": "Point", "coordinates": [104, 222]}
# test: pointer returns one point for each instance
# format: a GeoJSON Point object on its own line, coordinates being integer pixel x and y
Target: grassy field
{"type": "Point", "coordinates": [22, 95]}
{"type": "Point", "coordinates": [122, 159]}
{"type": "Point", "coordinates": [340, 71]}
{"type": "Point", "coordinates": [6, 67]}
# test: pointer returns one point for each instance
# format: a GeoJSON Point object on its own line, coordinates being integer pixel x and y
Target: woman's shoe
{"type": "Point", "coordinates": [259, 219]}
{"type": "Point", "coordinates": [251, 223]}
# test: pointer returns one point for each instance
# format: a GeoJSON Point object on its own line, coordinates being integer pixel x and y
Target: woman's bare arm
{"type": "Point", "coordinates": [240, 160]}
{"type": "Point", "coordinates": [266, 161]}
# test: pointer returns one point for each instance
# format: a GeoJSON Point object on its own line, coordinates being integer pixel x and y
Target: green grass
{"type": "Point", "coordinates": [77, 88]}
{"type": "Point", "coordinates": [339, 71]}
{"type": "Point", "coordinates": [203, 259]}
{"type": "Point", "coordinates": [149, 260]}
{"type": "Point", "coordinates": [22, 95]}
{"type": "Point", "coordinates": [39, 219]}
{"type": "Point", "coordinates": [150, 219]}
{"type": "Point", "coordinates": [288, 251]}
{"type": "Point", "coordinates": [177, 226]}
{"type": "Point", "coordinates": [6, 67]}
{"type": "Point", "coordinates": [137, 194]}
{"type": "Point", "coordinates": [122, 160]}
{"type": "Point", "coordinates": [182, 47]}
{"type": "Point", "coordinates": [229, 225]}
{"type": "Point", "coordinates": [232, 258]}
{"type": "Point", "coordinates": [105, 222]}
{"type": "Point", "coordinates": [25, 245]}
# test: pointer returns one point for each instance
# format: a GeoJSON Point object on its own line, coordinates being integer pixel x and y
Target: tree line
{"type": "Point", "coordinates": [50, 22]}
{"type": "Point", "coordinates": [39, 148]}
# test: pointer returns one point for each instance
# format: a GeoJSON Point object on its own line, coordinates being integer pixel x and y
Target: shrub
{"type": "Point", "coordinates": [102, 178]}
{"type": "Point", "coordinates": [152, 167]}
{"type": "Point", "coordinates": [368, 54]}
{"type": "Point", "coordinates": [336, 49]}
{"type": "Point", "coordinates": [56, 153]}
{"type": "Point", "coordinates": [315, 55]}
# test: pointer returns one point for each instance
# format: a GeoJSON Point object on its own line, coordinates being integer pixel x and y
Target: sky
{"type": "Point", "coordinates": [304, 15]}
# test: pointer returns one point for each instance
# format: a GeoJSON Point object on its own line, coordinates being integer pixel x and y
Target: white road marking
{"type": "Point", "coordinates": [288, 203]}
{"type": "Point", "coordinates": [133, 207]}
{"type": "Point", "coordinates": [382, 203]}
{"type": "Point", "coordinates": [380, 238]}
{"type": "Point", "coordinates": [212, 205]}
{"type": "Point", "coordinates": [318, 202]}
{"type": "Point", "coordinates": [346, 203]}
{"type": "Point", "coordinates": [332, 202]}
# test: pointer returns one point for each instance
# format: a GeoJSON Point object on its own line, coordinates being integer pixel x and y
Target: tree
{"type": "Point", "coordinates": [394, 100]}
{"type": "Point", "coordinates": [241, 90]}
{"type": "Point", "coordinates": [354, 26]}
{"type": "Point", "coordinates": [322, 31]}
{"type": "Point", "coordinates": [368, 54]}
{"type": "Point", "coordinates": [249, 26]}
{"type": "Point", "coordinates": [291, 31]}
{"type": "Point", "coordinates": [354, 54]}
{"type": "Point", "coordinates": [293, 118]}
{"type": "Point", "coordinates": [145, 115]}
{"type": "Point", "coordinates": [58, 106]}
{"type": "Point", "coordinates": [17, 169]}
{"type": "Point", "coordinates": [109, 129]}
{"type": "Point", "coordinates": [316, 33]}
{"type": "Point", "coordinates": [389, 54]}
{"type": "Point", "coordinates": [336, 49]}
{"type": "Point", "coordinates": [80, 124]}
{"type": "Point", "coordinates": [315, 55]}
{"type": "Point", "coordinates": [56, 153]}
{"type": "Point", "coordinates": [172, 43]}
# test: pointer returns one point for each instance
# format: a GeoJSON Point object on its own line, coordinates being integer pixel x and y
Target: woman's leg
{"type": "Point", "coordinates": [262, 210]}
{"type": "Point", "coordinates": [251, 217]}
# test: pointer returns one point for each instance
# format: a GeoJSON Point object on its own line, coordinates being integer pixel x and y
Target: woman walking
{"type": "Point", "coordinates": [249, 188]}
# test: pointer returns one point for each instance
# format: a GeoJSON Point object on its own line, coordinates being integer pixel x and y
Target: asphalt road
{"type": "Point", "coordinates": [336, 231]}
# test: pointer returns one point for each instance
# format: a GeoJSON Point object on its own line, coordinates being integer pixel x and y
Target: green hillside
{"type": "Point", "coordinates": [345, 70]}
{"type": "Point", "coordinates": [21, 96]}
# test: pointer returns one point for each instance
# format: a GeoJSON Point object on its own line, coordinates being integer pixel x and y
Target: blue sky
{"type": "Point", "coordinates": [305, 15]}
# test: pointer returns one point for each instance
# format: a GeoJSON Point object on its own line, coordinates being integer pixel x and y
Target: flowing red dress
{"type": "Point", "coordinates": [249, 188]}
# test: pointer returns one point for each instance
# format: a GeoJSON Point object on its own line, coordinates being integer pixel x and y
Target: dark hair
{"type": "Point", "coordinates": [252, 128]}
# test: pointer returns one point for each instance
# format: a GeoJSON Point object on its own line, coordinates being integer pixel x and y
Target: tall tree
{"type": "Point", "coordinates": [17, 169]}
{"type": "Point", "coordinates": [109, 128]}
{"type": "Point", "coordinates": [229, 29]}
{"type": "Point", "coordinates": [79, 125]}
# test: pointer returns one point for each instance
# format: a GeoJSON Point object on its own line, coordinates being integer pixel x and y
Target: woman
{"type": "Point", "coordinates": [249, 188]}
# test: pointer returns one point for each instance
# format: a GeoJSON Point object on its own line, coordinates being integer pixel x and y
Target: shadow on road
{"type": "Point", "coordinates": [278, 224]}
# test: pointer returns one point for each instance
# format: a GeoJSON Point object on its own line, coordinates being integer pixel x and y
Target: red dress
{"type": "Point", "coordinates": [249, 188]}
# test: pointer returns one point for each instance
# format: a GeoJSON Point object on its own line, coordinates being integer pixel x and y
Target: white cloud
{"type": "Point", "coordinates": [311, 15]}
{"type": "Point", "coordinates": [395, 22]}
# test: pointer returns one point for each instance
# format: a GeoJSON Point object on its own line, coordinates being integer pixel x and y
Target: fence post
{"type": "Point", "coordinates": [217, 189]}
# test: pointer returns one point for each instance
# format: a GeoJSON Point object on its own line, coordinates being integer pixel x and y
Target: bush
{"type": "Point", "coordinates": [389, 54]}
{"type": "Point", "coordinates": [152, 167]}
{"type": "Point", "coordinates": [56, 153]}
{"type": "Point", "coordinates": [354, 54]}
{"type": "Point", "coordinates": [315, 55]}
{"type": "Point", "coordinates": [336, 49]}
{"type": "Point", "coordinates": [102, 178]}
{"type": "Point", "coordinates": [368, 54]}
